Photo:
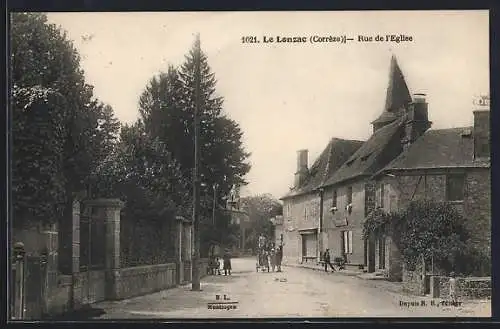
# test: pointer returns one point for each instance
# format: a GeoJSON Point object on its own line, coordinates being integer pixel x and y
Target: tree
{"type": "Point", "coordinates": [38, 133]}
{"type": "Point", "coordinates": [260, 209]}
{"type": "Point", "coordinates": [141, 168]}
{"type": "Point", "coordinates": [432, 230]}
{"type": "Point", "coordinates": [167, 108]}
{"type": "Point", "coordinates": [142, 172]}
{"type": "Point", "coordinates": [44, 63]}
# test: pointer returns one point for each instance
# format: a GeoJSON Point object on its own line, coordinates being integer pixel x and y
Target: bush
{"type": "Point", "coordinates": [430, 230]}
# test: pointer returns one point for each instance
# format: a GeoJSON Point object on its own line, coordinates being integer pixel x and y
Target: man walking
{"type": "Point", "coordinates": [327, 260]}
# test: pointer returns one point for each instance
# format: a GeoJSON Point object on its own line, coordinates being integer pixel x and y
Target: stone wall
{"type": "Point", "coordinates": [89, 287]}
{"type": "Point", "coordinates": [203, 267]}
{"type": "Point", "coordinates": [413, 282]}
{"type": "Point", "coordinates": [60, 292]}
{"type": "Point", "coordinates": [58, 299]}
{"type": "Point", "coordinates": [141, 280]}
{"type": "Point", "coordinates": [472, 288]}
{"type": "Point", "coordinates": [467, 288]}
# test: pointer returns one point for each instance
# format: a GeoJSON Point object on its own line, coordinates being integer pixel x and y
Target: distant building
{"type": "Point", "coordinates": [329, 202]}
{"type": "Point", "coordinates": [278, 229]}
{"type": "Point", "coordinates": [239, 217]}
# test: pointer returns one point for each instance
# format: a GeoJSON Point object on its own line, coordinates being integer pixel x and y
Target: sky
{"type": "Point", "coordinates": [291, 96]}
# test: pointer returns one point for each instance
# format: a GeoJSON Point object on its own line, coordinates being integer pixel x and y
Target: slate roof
{"type": "Point", "coordinates": [368, 159]}
{"type": "Point", "coordinates": [440, 148]}
{"type": "Point", "coordinates": [398, 94]}
{"type": "Point", "coordinates": [333, 156]}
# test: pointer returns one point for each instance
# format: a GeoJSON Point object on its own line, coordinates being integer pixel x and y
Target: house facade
{"type": "Point", "coordinates": [347, 193]}
{"type": "Point", "coordinates": [302, 226]}
{"type": "Point", "coordinates": [450, 165]}
{"type": "Point", "coordinates": [330, 212]}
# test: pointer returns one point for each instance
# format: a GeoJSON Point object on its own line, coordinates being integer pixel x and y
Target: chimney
{"type": "Point", "coordinates": [302, 170]}
{"type": "Point", "coordinates": [416, 120]}
{"type": "Point", "coordinates": [482, 127]}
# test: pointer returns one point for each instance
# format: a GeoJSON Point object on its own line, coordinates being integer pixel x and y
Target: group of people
{"type": "Point", "coordinates": [214, 266]}
{"type": "Point", "coordinates": [269, 255]}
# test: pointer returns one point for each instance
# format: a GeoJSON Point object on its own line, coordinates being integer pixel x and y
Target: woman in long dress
{"type": "Point", "coordinates": [272, 259]}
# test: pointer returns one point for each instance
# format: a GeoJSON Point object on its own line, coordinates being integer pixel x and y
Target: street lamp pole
{"type": "Point", "coordinates": [195, 282]}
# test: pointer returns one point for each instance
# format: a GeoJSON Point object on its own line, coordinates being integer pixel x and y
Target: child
{"type": "Point", "coordinates": [217, 263]}
{"type": "Point", "coordinates": [453, 287]}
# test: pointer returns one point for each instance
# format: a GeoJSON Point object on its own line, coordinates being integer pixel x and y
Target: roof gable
{"type": "Point", "coordinates": [453, 147]}
{"type": "Point", "coordinates": [333, 156]}
{"type": "Point", "coordinates": [369, 157]}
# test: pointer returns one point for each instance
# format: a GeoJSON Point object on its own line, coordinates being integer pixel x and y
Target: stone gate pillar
{"type": "Point", "coordinates": [110, 209]}
{"type": "Point", "coordinates": [188, 246]}
{"type": "Point", "coordinates": [74, 236]}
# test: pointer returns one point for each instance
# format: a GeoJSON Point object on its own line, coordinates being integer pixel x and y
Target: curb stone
{"type": "Point", "coordinates": [357, 274]}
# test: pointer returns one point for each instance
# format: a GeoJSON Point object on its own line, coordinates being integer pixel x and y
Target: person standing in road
{"type": "Point", "coordinates": [327, 260]}
{"type": "Point", "coordinates": [279, 257]}
{"type": "Point", "coordinates": [227, 263]}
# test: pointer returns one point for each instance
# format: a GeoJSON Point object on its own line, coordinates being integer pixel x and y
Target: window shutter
{"type": "Point", "coordinates": [350, 242]}
{"type": "Point", "coordinates": [346, 242]}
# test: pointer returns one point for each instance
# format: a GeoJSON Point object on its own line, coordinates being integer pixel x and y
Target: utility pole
{"type": "Point", "coordinates": [215, 203]}
{"type": "Point", "coordinates": [195, 281]}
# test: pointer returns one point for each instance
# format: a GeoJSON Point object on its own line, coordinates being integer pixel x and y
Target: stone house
{"type": "Point", "coordinates": [345, 194]}
{"type": "Point", "coordinates": [444, 165]}
{"type": "Point", "coordinates": [402, 160]}
{"type": "Point", "coordinates": [302, 206]}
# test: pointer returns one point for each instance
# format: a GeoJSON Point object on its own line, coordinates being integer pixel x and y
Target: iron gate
{"type": "Point", "coordinates": [92, 251]}
{"type": "Point", "coordinates": [35, 286]}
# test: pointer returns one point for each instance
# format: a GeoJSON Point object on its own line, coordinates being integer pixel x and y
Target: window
{"type": "Point", "coordinates": [382, 195]}
{"type": "Point", "coordinates": [334, 199]}
{"type": "Point", "coordinates": [347, 242]}
{"type": "Point", "coordinates": [349, 195]}
{"type": "Point", "coordinates": [455, 187]}
{"type": "Point", "coordinates": [305, 213]}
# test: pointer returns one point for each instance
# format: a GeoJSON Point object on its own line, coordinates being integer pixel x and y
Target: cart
{"type": "Point", "coordinates": [262, 261]}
